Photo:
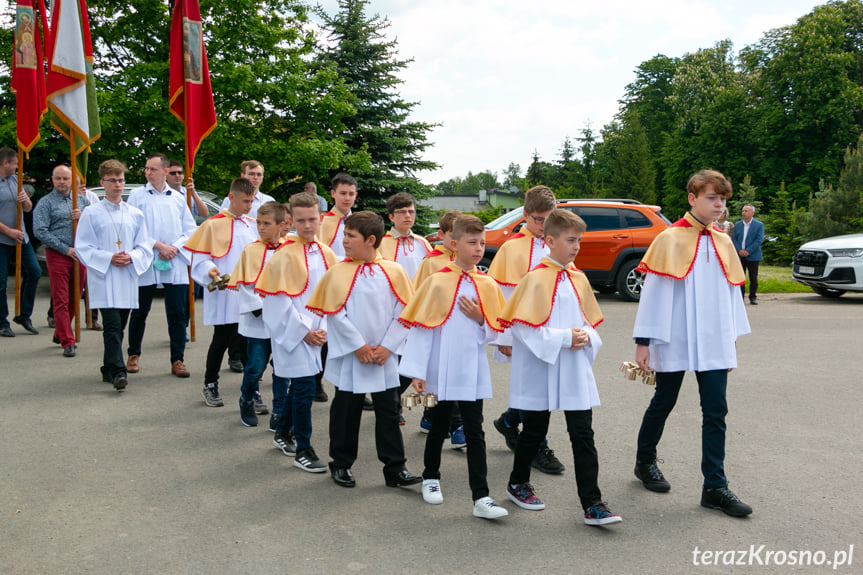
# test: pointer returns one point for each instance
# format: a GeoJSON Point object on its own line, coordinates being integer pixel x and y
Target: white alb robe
{"type": "Point", "coordinates": [288, 321]}
{"type": "Point", "coordinates": [451, 358]}
{"type": "Point", "coordinates": [222, 307]}
{"type": "Point", "coordinates": [370, 316]}
{"type": "Point", "coordinates": [546, 375]}
{"type": "Point", "coordinates": [110, 286]}
{"type": "Point", "coordinates": [170, 222]}
{"type": "Point", "coordinates": [249, 302]}
{"type": "Point", "coordinates": [692, 323]}
{"type": "Point", "coordinates": [540, 250]}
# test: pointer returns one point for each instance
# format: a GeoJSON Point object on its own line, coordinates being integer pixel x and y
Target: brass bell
{"type": "Point", "coordinates": [411, 400]}
{"type": "Point", "coordinates": [429, 400]}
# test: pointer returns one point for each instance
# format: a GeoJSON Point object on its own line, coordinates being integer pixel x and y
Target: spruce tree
{"type": "Point", "coordinates": [367, 62]}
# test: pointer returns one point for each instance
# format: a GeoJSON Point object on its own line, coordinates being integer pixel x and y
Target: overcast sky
{"type": "Point", "coordinates": [507, 77]}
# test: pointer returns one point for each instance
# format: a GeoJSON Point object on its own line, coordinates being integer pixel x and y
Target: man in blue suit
{"type": "Point", "coordinates": [748, 235]}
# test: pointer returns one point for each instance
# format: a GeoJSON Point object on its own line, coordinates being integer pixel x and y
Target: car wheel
{"type": "Point", "coordinates": [629, 281]}
{"type": "Point", "coordinates": [828, 292]}
{"type": "Point", "coordinates": [483, 265]}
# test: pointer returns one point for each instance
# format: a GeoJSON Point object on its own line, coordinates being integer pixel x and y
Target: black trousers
{"type": "Point", "coordinates": [454, 418]}
{"type": "Point", "coordinates": [225, 337]}
{"type": "Point", "coordinates": [175, 310]}
{"type": "Point", "coordinates": [113, 324]}
{"type": "Point", "coordinates": [751, 268]}
{"type": "Point", "coordinates": [477, 469]}
{"type": "Point", "coordinates": [346, 411]}
{"type": "Point", "coordinates": [578, 425]}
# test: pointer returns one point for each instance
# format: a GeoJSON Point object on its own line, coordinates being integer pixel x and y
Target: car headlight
{"type": "Point", "coordinates": [846, 253]}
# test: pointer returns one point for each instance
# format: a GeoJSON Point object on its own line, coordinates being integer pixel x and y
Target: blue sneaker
{"type": "Point", "coordinates": [457, 439]}
{"type": "Point", "coordinates": [600, 514]}
{"type": "Point", "coordinates": [425, 424]}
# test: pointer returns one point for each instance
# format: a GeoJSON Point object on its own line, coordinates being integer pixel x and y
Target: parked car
{"type": "Point", "coordinates": [211, 200]}
{"type": "Point", "coordinates": [831, 266]}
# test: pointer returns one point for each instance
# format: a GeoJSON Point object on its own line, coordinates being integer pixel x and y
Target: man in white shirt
{"type": "Point", "coordinates": [175, 180]}
{"type": "Point", "coordinates": [169, 224]}
{"type": "Point", "coordinates": [253, 171]}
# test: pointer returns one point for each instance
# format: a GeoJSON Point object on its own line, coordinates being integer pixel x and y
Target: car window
{"type": "Point", "coordinates": [505, 220]}
{"type": "Point", "coordinates": [635, 219]}
{"type": "Point", "coordinates": [599, 218]}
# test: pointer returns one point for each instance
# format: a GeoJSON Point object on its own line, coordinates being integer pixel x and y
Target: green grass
{"type": "Point", "coordinates": [777, 279]}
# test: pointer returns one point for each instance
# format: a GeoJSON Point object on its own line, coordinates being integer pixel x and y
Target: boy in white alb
{"type": "Point", "coordinates": [689, 318]}
{"type": "Point", "coordinates": [272, 223]}
{"type": "Point", "coordinates": [400, 244]}
{"type": "Point", "coordinates": [296, 333]}
{"type": "Point", "coordinates": [445, 355]}
{"type": "Point", "coordinates": [112, 242]}
{"type": "Point", "coordinates": [362, 298]}
{"type": "Point", "coordinates": [217, 246]}
{"type": "Point", "coordinates": [552, 314]}
{"type": "Point", "coordinates": [253, 171]}
{"type": "Point", "coordinates": [332, 230]}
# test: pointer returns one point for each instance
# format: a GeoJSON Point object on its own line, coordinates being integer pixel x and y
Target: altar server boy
{"type": "Point", "coordinates": [272, 222]}
{"type": "Point", "coordinates": [217, 245]}
{"type": "Point", "coordinates": [332, 230]}
{"type": "Point", "coordinates": [362, 298]}
{"type": "Point", "coordinates": [689, 317]}
{"type": "Point", "coordinates": [400, 244]}
{"type": "Point", "coordinates": [452, 316]}
{"type": "Point", "coordinates": [442, 254]}
{"type": "Point", "coordinates": [112, 242]}
{"type": "Point", "coordinates": [296, 333]}
{"type": "Point", "coordinates": [552, 314]}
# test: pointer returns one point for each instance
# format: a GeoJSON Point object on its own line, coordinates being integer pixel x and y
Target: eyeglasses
{"type": "Point", "coordinates": [176, 173]}
{"type": "Point", "coordinates": [405, 212]}
{"type": "Point", "coordinates": [114, 181]}
{"type": "Point", "coordinates": [149, 169]}
{"type": "Point", "coordinates": [536, 220]}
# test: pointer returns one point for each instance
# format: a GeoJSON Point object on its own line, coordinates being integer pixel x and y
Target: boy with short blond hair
{"type": "Point", "coordinates": [689, 318]}
{"type": "Point", "coordinates": [271, 223]}
{"type": "Point", "coordinates": [332, 230]}
{"type": "Point", "coordinates": [445, 355]}
{"type": "Point", "coordinates": [217, 245]}
{"type": "Point", "coordinates": [517, 256]}
{"type": "Point", "coordinates": [362, 298]}
{"type": "Point", "coordinates": [552, 315]}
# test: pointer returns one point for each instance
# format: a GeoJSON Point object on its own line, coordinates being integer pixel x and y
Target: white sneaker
{"type": "Point", "coordinates": [488, 509]}
{"type": "Point", "coordinates": [431, 491]}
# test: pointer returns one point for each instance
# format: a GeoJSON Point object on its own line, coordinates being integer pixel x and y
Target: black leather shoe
{"type": "Point", "coordinates": [651, 477]}
{"type": "Point", "coordinates": [402, 479]}
{"type": "Point", "coordinates": [6, 331]}
{"type": "Point", "coordinates": [235, 365]}
{"type": "Point", "coordinates": [120, 381]}
{"type": "Point", "coordinates": [321, 395]}
{"type": "Point", "coordinates": [26, 324]}
{"type": "Point", "coordinates": [753, 301]}
{"type": "Point", "coordinates": [342, 476]}
{"type": "Point", "coordinates": [55, 339]}
{"type": "Point", "coordinates": [69, 351]}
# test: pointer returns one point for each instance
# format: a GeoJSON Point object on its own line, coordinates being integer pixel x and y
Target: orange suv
{"type": "Point", "coordinates": [618, 233]}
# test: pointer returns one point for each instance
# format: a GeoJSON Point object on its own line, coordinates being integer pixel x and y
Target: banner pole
{"type": "Point", "coordinates": [19, 226]}
{"type": "Point", "coordinates": [76, 275]}
{"type": "Point", "coordinates": [191, 282]}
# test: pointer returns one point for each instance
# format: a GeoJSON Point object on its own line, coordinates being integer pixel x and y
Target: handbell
{"type": "Point", "coordinates": [411, 400]}
{"type": "Point", "coordinates": [223, 281]}
{"type": "Point", "coordinates": [631, 374]}
{"type": "Point", "coordinates": [429, 400]}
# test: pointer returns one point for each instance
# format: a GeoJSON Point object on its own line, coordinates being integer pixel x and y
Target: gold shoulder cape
{"type": "Point", "coordinates": [332, 292]}
{"type": "Point", "coordinates": [512, 262]}
{"type": "Point", "coordinates": [214, 236]}
{"type": "Point", "coordinates": [435, 301]}
{"type": "Point", "coordinates": [437, 259]}
{"type": "Point", "coordinates": [248, 268]}
{"type": "Point", "coordinates": [530, 303]}
{"type": "Point", "coordinates": [329, 226]}
{"type": "Point", "coordinates": [672, 253]}
{"type": "Point", "coordinates": [389, 245]}
{"type": "Point", "coordinates": [287, 272]}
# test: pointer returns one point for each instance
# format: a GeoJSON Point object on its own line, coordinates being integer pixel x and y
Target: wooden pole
{"type": "Point", "coordinates": [191, 282]}
{"type": "Point", "coordinates": [19, 226]}
{"type": "Point", "coordinates": [76, 276]}
{"type": "Point", "coordinates": [88, 316]}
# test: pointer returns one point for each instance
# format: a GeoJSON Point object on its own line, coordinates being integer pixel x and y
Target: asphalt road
{"type": "Point", "coordinates": [152, 481]}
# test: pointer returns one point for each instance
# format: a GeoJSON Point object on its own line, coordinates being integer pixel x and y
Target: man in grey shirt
{"type": "Point", "coordinates": [312, 188]}
{"type": "Point", "coordinates": [52, 224]}
{"type": "Point", "coordinates": [11, 235]}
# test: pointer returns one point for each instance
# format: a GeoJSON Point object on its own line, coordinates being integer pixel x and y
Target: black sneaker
{"type": "Point", "coordinates": [119, 381]}
{"type": "Point", "coordinates": [247, 413]}
{"type": "Point", "coordinates": [546, 462]}
{"type": "Point", "coordinates": [722, 498]}
{"type": "Point", "coordinates": [285, 443]}
{"type": "Point", "coordinates": [651, 477]}
{"type": "Point", "coordinates": [510, 434]}
{"type": "Point", "coordinates": [307, 460]}
{"type": "Point", "coordinates": [367, 404]}
{"type": "Point", "coordinates": [235, 365]}
{"type": "Point", "coordinates": [26, 324]}
{"type": "Point", "coordinates": [260, 406]}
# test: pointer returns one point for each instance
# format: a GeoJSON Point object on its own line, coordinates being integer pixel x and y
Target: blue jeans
{"type": "Point", "coordinates": [711, 388]}
{"type": "Point", "coordinates": [258, 353]}
{"type": "Point", "coordinates": [298, 410]}
{"type": "Point", "coordinates": [30, 272]}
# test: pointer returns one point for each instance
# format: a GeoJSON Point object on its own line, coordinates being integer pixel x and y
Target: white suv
{"type": "Point", "coordinates": [831, 266]}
